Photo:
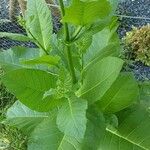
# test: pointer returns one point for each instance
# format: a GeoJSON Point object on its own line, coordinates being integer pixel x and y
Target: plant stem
{"type": "Point", "coordinates": [67, 40]}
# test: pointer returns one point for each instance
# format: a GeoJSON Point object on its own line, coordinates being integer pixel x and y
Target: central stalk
{"type": "Point", "coordinates": [67, 46]}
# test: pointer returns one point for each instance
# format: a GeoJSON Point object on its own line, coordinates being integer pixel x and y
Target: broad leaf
{"type": "Point", "coordinates": [41, 129]}
{"type": "Point", "coordinates": [99, 78]}
{"type": "Point", "coordinates": [132, 133]}
{"type": "Point", "coordinates": [38, 23]}
{"type": "Point", "coordinates": [30, 87]}
{"type": "Point", "coordinates": [122, 93]}
{"type": "Point", "coordinates": [103, 44]}
{"type": "Point", "coordinates": [10, 59]}
{"type": "Point", "coordinates": [86, 12]}
{"type": "Point", "coordinates": [15, 36]}
{"type": "Point", "coordinates": [94, 131]}
{"type": "Point", "coordinates": [109, 50]}
{"type": "Point", "coordinates": [46, 59]}
{"type": "Point", "coordinates": [24, 118]}
{"type": "Point", "coordinates": [71, 119]}
{"type": "Point", "coordinates": [46, 136]}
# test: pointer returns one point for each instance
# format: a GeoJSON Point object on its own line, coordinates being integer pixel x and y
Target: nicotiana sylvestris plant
{"type": "Point", "coordinates": [72, 94]}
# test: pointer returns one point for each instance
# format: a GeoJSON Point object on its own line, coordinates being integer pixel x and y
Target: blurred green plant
{"type": "Point", "coordinates": [10, 137]}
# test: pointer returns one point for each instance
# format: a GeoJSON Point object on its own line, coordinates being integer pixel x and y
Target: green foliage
{"type": "Point", "coordinates": [10, 137]}
{"type": "Point", "coordinates": [137, 44]}
{"type": "Point", "coordinates": [38, 15]}
{"type": "Point", "coordinates": [102, 78]}
{"type": "Point", "coordinates": [69, 88]}
{"type": "Point", "coordinates": [86, 12]}
{"type": "Point", "coordinates": [30, 87]}
{"type": "Point", "coordinates": [71, 117]}
{"type": "Point", "coordinates": [119, 94]}
{"type": "Point", "coordinates": [132, 131]}
{"type": "Point", "coordinates": [15, 36]}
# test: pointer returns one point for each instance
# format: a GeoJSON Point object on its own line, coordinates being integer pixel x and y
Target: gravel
{"type": "Point", "coordinates": [4, 9]}
{"type": "Point", "coordinates": [135, 8]}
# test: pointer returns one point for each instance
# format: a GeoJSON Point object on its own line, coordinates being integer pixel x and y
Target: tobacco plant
{"type": "Point", "coordinates": [72, 94]}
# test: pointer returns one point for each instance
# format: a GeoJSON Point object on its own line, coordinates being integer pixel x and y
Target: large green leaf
{"type": "Point", "coordinates": [109, 50]}
{"type": "Point", "coordinates": [30, 87]}
{"type": "Point", "coordinates": [100, 40]}
{"type": "Point", "coordinates": [122, 93]}
{"type": "Point", "coordinates": [15, 36]}
{"type": "Point", "coordinates": [10, 59]}
{"type": "Point", "coordinates": [95, 129]}
{"type": "Point", "coordinates": [24, 118]}
{"type": "Point", "coordinates": [132, 133]}
{"type": "Point", "coordinates": [41, 129]}
{"type": "Point", "coordinates": [99, 78]}
{"type": "Point", "coordinates": [86, 12]}
{"type": "Point", "coordinates": [39, 23]}
{"type": "Point", "coordinates": [71, 119]}
{"type": "Point", "coordinates": [46, 136]}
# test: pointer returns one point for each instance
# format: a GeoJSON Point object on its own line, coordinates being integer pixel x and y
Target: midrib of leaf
{"type": "Point", "coordinates": [97, 83]}
{"type": "Point", "coordinates": [61, 142]}
{"type": "Point", "coordinates": [71, 111]}
{"type": "Point", "coordinates": [137, 144]}
{"type": "Point", "coordinates": [94, 58]}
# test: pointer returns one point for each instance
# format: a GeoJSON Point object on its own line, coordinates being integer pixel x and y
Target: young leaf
{"type": "Point", "coordinates": [99, 78]}
{"type": "Point", "coordinates": [30, 85]}
{"type": "Point", "coordinates": [39, 23]}
{"type": "Point", "coordinates": [71, 119]}
{"type": "Point", "coordinates": [10, 59]}
{"type": "Point", "coordinates": [95, 129]}
{"type": "Point", "coordinates": [132, 132]}
{"type": "Point", "coordinates": [23, 118]}
{"type": "Point", "coordinates": [86, 12]}
{"type": "Point", "coordinates": [46, 59]}
{"type": "Point", "coordinates": [15, 36]}
{"type": "Point", "coordinates": [121, 94]}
